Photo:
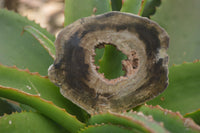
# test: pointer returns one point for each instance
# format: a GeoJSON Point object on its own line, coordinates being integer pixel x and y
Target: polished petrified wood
{"type": "Point", "coordinates": [144, 43]}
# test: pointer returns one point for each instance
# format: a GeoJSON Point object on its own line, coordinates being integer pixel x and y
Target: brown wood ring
{"type": "Point", "coordinates": [137, 37]}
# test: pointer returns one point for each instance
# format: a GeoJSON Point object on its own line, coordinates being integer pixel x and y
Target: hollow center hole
{"type": "Point", "coordinates": [109, 61]}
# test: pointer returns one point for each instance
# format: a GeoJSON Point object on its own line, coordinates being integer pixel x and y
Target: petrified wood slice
{"type": "Point", "coordinates": [144, 43]}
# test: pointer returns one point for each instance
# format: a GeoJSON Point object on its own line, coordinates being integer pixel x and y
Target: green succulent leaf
{"type": "Point", "coordinates": [173, 122]}
{"type": "Point", "coordinates": [116, 5]}
{"type": "Point", "coordinates": [8, 107]}
{"type": "Point", "coordinates": [143, 4]}
{"type": "Point", "coordinates": [136, 122]}
{"type": "Point", "coordinates": [194, 115]}
{"type": "Point", "coordinates": [28, 122]}
{"type": "Point", "coordinates": [183, 91]}
{"type": "Point", "coordinates": [35, 84]}
{"type": "Point", "coordinates": [133, 6]}
{"type": "Point", "coordinates": [111, 62]}
{"type": "Point", "coordinates": [47, 108]}
{"type": "Point", "coordinates": [43, 40]}
{"type": "Point", "coordinates": [74, 11]}
{"type": "Point", "coordinates": [24, 51]}
{"type": "Point", "coordinates": [99, 54]}
{"type": "Point", "coordinates": [150, 7]}
{"type": "Point", "coordinates": [105, 128]}
{"type": "Point", "coordinates": [27, 108]}
{"type": "Point", "coordinates": [181, 20]}
{"type": "Point", "coordinates": [147, 121]}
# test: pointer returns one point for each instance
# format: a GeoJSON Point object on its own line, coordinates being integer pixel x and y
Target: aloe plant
{"type": "Point", "coordinates": [30, 102]}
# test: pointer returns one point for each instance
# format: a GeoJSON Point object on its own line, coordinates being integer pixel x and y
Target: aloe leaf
{"type": "Point", "coordinates": [105, 128]}
{"type": "Point", "coordinates": [99, 54]}
{"type": "Point", "coordinates": [181, 20]}
{"type": "Point", "coordinates": [8, 107]}
{"type": "Point", "coordinates": [194, 115]}
{"type": "Point", "coordinates": [150, 7]}
{"type": "Point", "coordinates": [173, 122]}
{"type": "Point", "coordinates": [35, 84]}
{"type": "Point", "coordinates": [43, 40]}
{"type": "Point", "coordinates": [136, 122]}
{"type": "Point", "coordinates": [147, 121]}
{"type": "Point", "coordinates": [27, 108]}
{"type": "Point", "coordinates": [183, 91]}
{"type": "Point", "coordinates": [110, 63]}
{"type": "Point", "coordinates": [24, 51]}
{"type": "Point", "coordinates": [47, 108]}
{"type": "Point", "coordinates": [132, 6]}
{"type": "Point", "coordinates": [143, 4]}
{"type": "Point", "coordinates": [116, 5]}
{"type": "Point", "coordinates": [74, 11]}
{"type": "Point", "coordinates": [28, 122]}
